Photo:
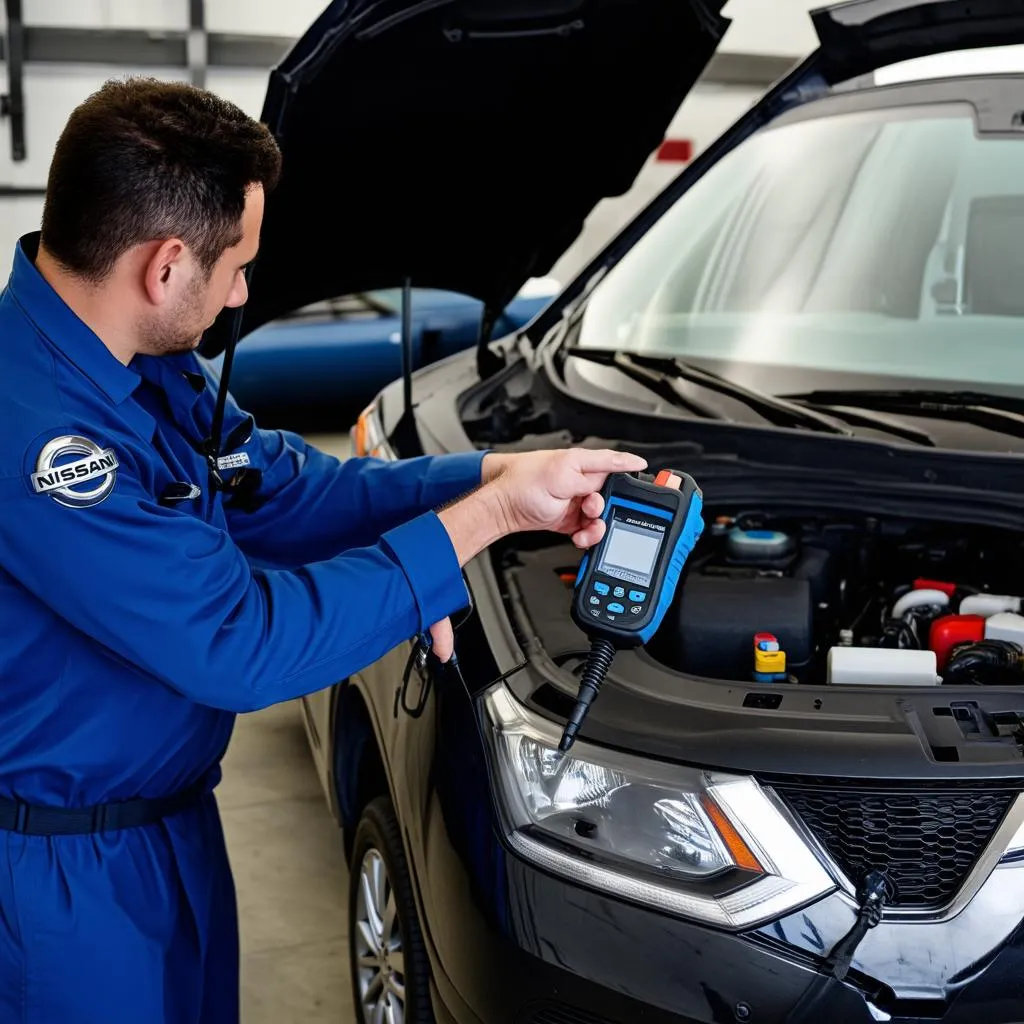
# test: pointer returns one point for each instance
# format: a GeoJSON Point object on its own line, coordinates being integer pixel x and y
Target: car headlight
{"type": "Point", "coordinates": [714, 847]}
{"type": "Point", "coordinates": [368, 437]}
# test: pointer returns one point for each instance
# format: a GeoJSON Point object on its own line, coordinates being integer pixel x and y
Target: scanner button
{"type": "Point", "coordinates": [601, 588]}
{"type": "Point", "coordinates": [637, 596]}
{"type": "Point", "coordinates": [616, 608]}
{"type": "Point", "coordinates": [619, 592]}
{"type": "Point", "coordinates": [595, 600]}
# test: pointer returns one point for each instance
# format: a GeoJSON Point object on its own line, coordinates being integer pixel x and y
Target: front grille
{"type": "Point", "coordinates": [926, 841]}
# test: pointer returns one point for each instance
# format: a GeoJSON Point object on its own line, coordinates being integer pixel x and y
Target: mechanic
{"type": "Point", "coordinates": [141, 608]}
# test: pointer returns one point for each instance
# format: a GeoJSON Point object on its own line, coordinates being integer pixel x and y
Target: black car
{"type": "Point", "coordinates": [821, 321]}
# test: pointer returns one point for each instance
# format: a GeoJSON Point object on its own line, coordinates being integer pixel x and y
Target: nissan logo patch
{"type": "Point", "coordinates": [75, 471]}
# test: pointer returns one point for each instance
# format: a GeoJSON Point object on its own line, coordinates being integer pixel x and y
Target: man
{"type": "Point", "coordinates": [134, 622]}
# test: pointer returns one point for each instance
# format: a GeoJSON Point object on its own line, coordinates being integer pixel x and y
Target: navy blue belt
{"type": "Point", "coordinates": [38, 820]}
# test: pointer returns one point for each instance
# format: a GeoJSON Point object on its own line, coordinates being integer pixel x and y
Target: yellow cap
{"type": "Point", "coordinates": [769, 661]}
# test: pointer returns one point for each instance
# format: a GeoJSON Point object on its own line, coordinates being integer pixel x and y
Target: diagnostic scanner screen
{"type": "Point", "coordinates": [630, 552]}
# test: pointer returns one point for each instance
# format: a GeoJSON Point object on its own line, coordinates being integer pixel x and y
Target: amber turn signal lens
{"type": "Point", "coordinates": [741, 853]}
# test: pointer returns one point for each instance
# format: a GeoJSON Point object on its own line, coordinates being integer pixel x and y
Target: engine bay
{"type": "Point", "coordinates": [769, 597]}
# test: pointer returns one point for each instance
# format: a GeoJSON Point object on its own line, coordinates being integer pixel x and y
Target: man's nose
{"type": "Point", "coordinates": [239, 292]}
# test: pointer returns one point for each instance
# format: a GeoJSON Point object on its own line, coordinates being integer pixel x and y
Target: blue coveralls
{"type": "Point", "coordinates": [134, 625]}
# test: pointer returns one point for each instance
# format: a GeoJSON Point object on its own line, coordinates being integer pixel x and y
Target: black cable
{"type": "Point", "coordinates": [602, 653]}
{"type": "Point", "coordinates": [874, 892]}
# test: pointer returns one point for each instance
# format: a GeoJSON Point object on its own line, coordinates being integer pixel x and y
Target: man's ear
{"type": "Point", "coordinates": [166, 262]}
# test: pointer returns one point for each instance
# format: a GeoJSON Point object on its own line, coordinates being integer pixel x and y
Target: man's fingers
{"type": "Point", "coordinates": [604, 460]}
{"type": "Point", "coordinates": [592, 505]}
{"type": "Point", "coordinates": [587, 536]}
{"type": "Point", "coordinates": [443, 639]}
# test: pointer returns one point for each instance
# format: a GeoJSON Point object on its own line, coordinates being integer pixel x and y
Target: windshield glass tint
{"type": "Point", "coordinates": [884, 242]}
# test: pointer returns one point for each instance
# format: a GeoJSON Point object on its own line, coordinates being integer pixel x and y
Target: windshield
{"type": "Point", "coordinates": [886, 242]}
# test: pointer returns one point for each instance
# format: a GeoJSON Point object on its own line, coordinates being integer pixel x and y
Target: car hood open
{"type": "Point", "coordinates": [460, 143]}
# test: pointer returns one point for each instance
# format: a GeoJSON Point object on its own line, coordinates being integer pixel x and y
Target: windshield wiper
{"type": "Point", "coordinates": [873, 421]}
{"type": "Point", "coordinates": [667, 371]}
{"type": "Point", "coordinates": [1001, 413]}
{"type": "Point", "coordinates": [664, 387]}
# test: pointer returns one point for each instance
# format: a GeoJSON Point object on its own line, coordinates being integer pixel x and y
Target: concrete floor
{"type": "Point", "coordinates": [289, 868]}
{"type": "Point", "coordinates": [290, 875]}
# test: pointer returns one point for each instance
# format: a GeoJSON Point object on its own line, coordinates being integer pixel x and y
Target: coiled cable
{"type": "Point", "coordinates": [600, 659]}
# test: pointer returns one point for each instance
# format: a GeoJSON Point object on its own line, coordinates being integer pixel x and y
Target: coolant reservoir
{"type": "Point", "coordinates": [881, 666]}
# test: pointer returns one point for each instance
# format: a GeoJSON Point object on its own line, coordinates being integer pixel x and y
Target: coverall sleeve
{"type": "Point", "coordinates": [174, 596]}
{"type": "Point", "coordinates": [311, 505]}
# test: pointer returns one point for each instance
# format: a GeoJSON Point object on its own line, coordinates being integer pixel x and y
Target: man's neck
{"type": "Point", "coordinates": [91, 304]}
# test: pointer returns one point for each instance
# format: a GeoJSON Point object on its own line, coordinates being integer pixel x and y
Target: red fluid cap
{"type": "Point", "coordinates": [949, 589]}
{"type": "Point", "coordinates": [951, 630]}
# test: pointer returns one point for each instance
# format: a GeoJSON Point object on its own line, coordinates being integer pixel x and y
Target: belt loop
{"type": "Point", "coordinates": [21, 810]}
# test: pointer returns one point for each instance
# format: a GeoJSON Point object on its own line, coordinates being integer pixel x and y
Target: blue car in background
{"type": "Point", "coordinates": [337, 354]}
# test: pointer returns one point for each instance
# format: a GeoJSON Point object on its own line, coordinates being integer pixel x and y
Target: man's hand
{"type": "Point", "coordinates": [546, 490]}
{"type": "Point", "coordinates": [442, 639]}
{"type": "Point", "coordinates": [559, 490]}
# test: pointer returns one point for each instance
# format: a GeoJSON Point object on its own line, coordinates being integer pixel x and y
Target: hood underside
{"type": "Point", "coordinates": [461, 143]}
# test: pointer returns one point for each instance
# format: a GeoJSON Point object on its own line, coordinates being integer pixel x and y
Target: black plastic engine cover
{"type": "Point", "coordinates": [718, 617]}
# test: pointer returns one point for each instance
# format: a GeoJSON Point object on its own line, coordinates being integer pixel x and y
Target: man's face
{"type": "Point", "coordinates": [180, 326]}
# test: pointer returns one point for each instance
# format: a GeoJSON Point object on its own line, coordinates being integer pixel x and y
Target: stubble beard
{"type": "Point", "coordinates": [177, 331]}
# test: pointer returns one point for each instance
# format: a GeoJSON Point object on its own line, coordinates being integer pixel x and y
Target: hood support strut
{"type": "Point", "coordinates": [488, 362]}
{"type": "Point", "coordinates": [407, 344]}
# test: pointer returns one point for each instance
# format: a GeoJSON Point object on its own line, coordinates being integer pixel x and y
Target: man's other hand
{"type": "Point", "coordinates": [442, 639]}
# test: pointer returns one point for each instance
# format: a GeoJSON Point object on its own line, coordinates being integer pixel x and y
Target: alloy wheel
{"type": "Point", "coordinates": [380, 957]}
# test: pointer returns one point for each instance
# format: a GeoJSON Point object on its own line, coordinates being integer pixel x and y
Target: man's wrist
{"type": "Point", "coordinates": [477, 521]}
{"type": "Point", "coordinates": [493, 465]}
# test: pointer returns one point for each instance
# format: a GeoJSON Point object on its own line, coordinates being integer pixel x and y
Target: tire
{"type": "Point", "coordinates": [389, 986]}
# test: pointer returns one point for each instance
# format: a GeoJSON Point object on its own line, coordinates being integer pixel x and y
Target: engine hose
{"type": "Point", "coordinates": [599, 660]}
{"type": "Point", "coordinates": [995, 662]}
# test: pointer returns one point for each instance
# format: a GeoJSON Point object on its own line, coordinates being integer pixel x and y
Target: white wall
{"type": "Point", "coordinates": [780, 28]}
{"type": "Point", "coordinates": [777, 27]}
{"type": "Point", "coordinates": [260, 17]}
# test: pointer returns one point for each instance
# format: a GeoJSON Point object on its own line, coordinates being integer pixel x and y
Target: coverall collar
{"type": "Point", "coordinates": [63, 328]}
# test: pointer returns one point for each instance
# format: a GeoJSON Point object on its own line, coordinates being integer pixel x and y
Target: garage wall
{"type": "Point", "coordinates": [772, 27]}
{"type": "Point", "coordinates": [775, 28]}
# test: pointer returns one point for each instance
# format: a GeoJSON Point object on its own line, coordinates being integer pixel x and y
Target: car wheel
{"type": "Point", "coordinates": [390, 969]}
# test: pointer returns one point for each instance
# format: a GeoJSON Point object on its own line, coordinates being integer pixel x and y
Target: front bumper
{"type": "Point", "coordinates": [564, 955]}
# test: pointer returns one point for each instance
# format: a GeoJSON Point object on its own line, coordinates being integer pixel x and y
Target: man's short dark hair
{"type": "Point", "coordinates": [143, 159]}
